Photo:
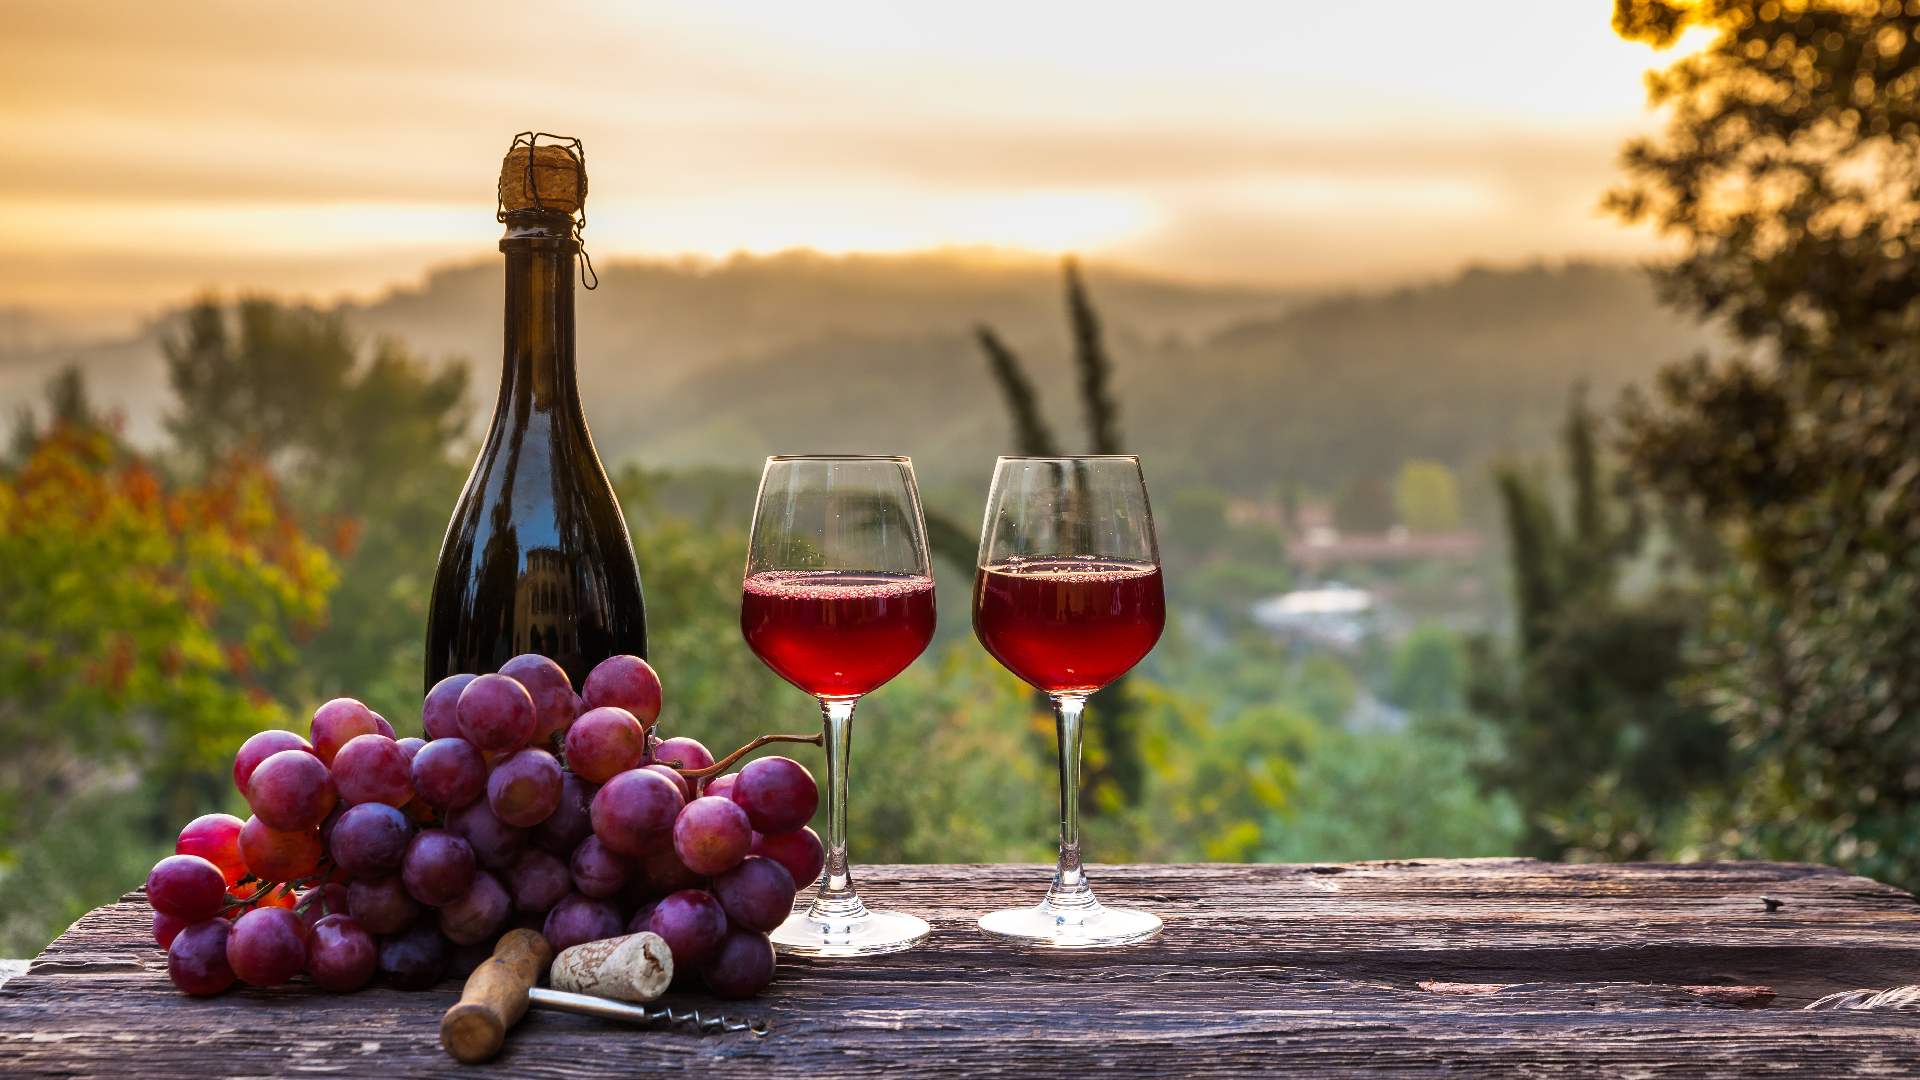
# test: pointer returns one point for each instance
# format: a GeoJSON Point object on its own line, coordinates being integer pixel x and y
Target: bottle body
{"type": "Point", "coordinates": [537, 557]}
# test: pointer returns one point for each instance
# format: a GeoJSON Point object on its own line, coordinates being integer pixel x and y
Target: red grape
{"type": "Point", "coordinates": [341, 955]}
{"type": "Point", "coordinates": [166, 928]}
{"type": "Point", "coordinates": [268, 946]}
{"type": "Point", "coordinates": [524, 789]}
{"type": "Point", "coordinates": [414, 959]}
{"type": "Point", "coordinates": [570, 822]}
{"type": "Point", "coordinates": [625, 681]}
{"type": "Point", "coordinates": [693, 924]}
{"type": "Point", "coordinates": [633, 812]}
{"type": "Point", "coordinates": [338, 721]}
{"type": "Point", "coordinates": [604, 742]}
{"type": "Point", "coordinates": [799, 851]}
{"type": "Point", "coordinates": [373, 769]}
{"type": "Point", "coordinates": [318, 903]}
{"type": "Point", "coordinates": [741, 967]}
{"type": "Point", "coordinates": [554, 704]}
{"type": "Point", "coordinates": [437, 717]}
{"type": "Point", "coordinates": [495, 713]}
{"type": "Point", "coordinates": [187, 887]}
{"type": "Point", "coordinates": [479, 914]}
{"type": "Point", "coordinates": [438, 868]}
{"type": "Point", "coordinates": [291, 790]}
{"type": "Point", "coordinates": [597, 871]}
{"type": "Point", "coordinates": [258, 748]}
{"type": "Point", "coordinates": [758, 894]}
{"type": "Point", "coordinates": [371, 839]}
{"type": "Point", "coordinates": [197, 958]}
{"type": "Point", "coordinates": [381, 727]}
{"type": "Point", "coordinates": [673, 774]}
{"type": "Point", "coordinates": [578, 919]}
{"type": "Point", "coordinates": [410, 746]}
{"type": "Point", "coordinates": [382, 904]}
{"type": "Point", "coordinates": [538, 880]}
{"type": "Point", "coordinates": [712, 835]}
{"type": "Point", "coordinates": [683, 752]}
{"type": "Point", "coordinates": [449, 773]}
{"type": "Point", "coordinates": [278, 854]}
{"type": "Point", "coordinates": [662, 872]}
{"type": "Point", "coordinates": [495, 843]}
{"type": "Point", "coordinates": [642, 917]}
{"type": "Point", "coordinates": [721, 785]}
{"type": "Point", "coordinates": [215, 838]}
{"type": "Point", "coordinates": [777, 793]}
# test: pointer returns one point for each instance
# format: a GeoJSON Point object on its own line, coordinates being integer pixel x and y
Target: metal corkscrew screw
{"type": "Point", "coordinates": [691, 1019]}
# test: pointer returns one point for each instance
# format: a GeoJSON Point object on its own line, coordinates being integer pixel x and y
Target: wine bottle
{"type": "Point", "coordinates": [537, 557]}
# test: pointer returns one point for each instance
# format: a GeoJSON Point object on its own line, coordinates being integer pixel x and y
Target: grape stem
{"type": "Point", "coordinates": [266, 887]}
{"type": "Point", "coordinates": [725, 763]}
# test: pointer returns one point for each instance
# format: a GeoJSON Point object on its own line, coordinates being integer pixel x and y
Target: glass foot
{"type": "Point", "coordinates": [1090, 927]}
{"type": "Point", "coordinates": [870, 933]}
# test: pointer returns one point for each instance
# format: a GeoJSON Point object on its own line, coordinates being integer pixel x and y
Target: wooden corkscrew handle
{"type": "Point", "coordinates": [495, 997]}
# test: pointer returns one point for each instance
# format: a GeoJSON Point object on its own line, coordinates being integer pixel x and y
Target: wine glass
{"type": "Point", "coordinates": [1069, 597]}
{"type": "Point", "coordinates": [838, 598]}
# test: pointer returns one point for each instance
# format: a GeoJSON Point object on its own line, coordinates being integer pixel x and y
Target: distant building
{"type": "Point", "coordinates": [1315, 549]}
{"type": "Point", "coordinates": [1333, 616]}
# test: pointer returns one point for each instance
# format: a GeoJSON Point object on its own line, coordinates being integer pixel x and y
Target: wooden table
{"type": "Point", "coordinates": [1478, 967]}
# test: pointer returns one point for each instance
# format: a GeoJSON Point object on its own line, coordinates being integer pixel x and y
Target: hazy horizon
{"type": "Point", "coordinates": [1281, 147]}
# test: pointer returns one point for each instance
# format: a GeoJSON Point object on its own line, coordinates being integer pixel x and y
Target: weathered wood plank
{"type": "Point", "coordinates": [1288, 970]}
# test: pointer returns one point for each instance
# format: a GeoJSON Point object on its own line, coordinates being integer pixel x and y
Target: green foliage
{"type": "Point", "coordinates": [1429, 673]}
{"type": "Point", "coordinates": [1426, 497]}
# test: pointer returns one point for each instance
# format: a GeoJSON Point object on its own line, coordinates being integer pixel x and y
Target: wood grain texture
{"type": "Point", "coordinates": [1282, 970]}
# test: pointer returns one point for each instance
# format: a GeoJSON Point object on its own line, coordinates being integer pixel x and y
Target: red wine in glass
{"type": "Point", "coordinates": [836, 634]}
{"type": "Point", "coordinates": [1068, 625]}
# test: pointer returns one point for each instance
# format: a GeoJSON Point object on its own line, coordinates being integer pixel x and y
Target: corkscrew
{"type": "Point", "coordinates": [606, 1008]}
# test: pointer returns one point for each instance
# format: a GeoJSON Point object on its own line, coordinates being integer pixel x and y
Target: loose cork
{"type": "Point", "coordinates": [635, 968]}
{"type": "Point", "coordinates": [557, 176]}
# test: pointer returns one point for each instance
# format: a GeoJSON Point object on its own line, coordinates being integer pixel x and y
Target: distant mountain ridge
{"type": "Point", "coordinates": [721, 363]}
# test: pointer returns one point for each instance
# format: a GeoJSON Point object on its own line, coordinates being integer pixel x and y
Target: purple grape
{"type": "Point", "coordinates": [370, 840]}
{"type": "Point", "coordinates": [693, 924]}
{"type": "Point", "coordinates": [291, 791]}
{"type": "Point", "coordinates": [166, 928]}
{"type": "Point", "coordinates": [187, 887]}
{"type": "Point", "coordinates": [495, 713]}
{"type": "Point", "coordinates": [268, 946]}
{"type": "Point", "coordinates": [578, 919]}
{"type": "Point", "coordinates": [538, 881]}
{"type": "Point", "coordinates": [799, 851]}
{"type": "Point", "coordinates": [673, 775]}
{"type": "Point", "coordinates": [777, 793]}
{"type": "Point", "coordinates": [633, 813]}
{"type": "Point", "coordinates": [317, 903]}
{"type": "Point", "coordinates": [197, 958]}
{"type": "Point", "coordinates": [524, 788]}
{"type": "Point", "coordinates": [683, 752]}
{"type": "Point", "coordinates": [605, 742]}
{"type": "Point", "coordinates": [381, 727]}
{"type": "Point", "coordinates": [757, 895]}
{"type": "Point", "coordinates": [449, 773]}
{"type": "Point", "coordinates": [382, 905]}
{"type": "Point", "coordinates": [554, 705]}
{"type": "Point", "coordinates": [626, 682]}
{"type": "Point", "coordinates": [414, 959]}
{"type": "Point", "coordinates": [571, 821]}
{"type": "Point", "coordinates": [597, 871]}
{"type": "Point", "coordinates": [438, 869]}
{"type": "Point", "coordinates": [642, 917]}
{"type": "Point", "coordinates": [721, 785]}
{"type": "Point", "coordinates": [478, 915]}
{"type": "Point", "coordinates": [372, 769]}
{"type": "Point", "coordinates": [410, 746]}
{"type": "Point", "coordinates": [437, 716]}
{"type": "Point", "coordinates": [712, 835]}
{"type": "Point", "coordinates": [662, 872]}
{"type": "Point", "coordinates": [741, 967]}
{"type": "Point", "coordinates": [495, 843]}
{"type": "Point", "coordinates": [259, 747]}
{"type": "Point", "coordinates": [341, 954]}
{"type": "Point", "coordinates": [338, 721]}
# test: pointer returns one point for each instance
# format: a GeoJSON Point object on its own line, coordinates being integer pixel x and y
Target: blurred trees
{"type": "Point", "coordinates": [1426, 497]}
{"type": "Point", "coordinates": [1790, 171]}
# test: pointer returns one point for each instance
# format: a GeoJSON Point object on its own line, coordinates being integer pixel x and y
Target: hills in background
{"type": "Point", "coordinates": [1246, 389]}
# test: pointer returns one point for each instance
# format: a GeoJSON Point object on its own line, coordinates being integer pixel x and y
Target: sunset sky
{"type": "Point", "coordinates": [340, 147]}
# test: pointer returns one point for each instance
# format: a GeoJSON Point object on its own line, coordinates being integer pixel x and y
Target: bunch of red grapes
{"type": "Point", "coordinates": [526, 805]}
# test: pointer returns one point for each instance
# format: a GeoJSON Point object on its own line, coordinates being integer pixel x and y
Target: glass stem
{"type": "Point", "coordinates": [837, 901]}
{"type": "Point", "coordinates": [1070, 889]}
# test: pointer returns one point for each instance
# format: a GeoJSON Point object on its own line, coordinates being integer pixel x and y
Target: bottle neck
{"type": "Point", "coordinates": [538, 360]}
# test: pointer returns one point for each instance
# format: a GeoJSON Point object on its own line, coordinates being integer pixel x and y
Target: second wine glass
{"type": "Point", "coordinates": [838, 599]}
